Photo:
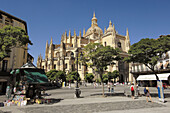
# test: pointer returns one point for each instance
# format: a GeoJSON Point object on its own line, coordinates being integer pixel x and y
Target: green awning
{"type": "Point", "coordinates": [35, 76]}
{"type": "Point", "coordinates": [12, 72]}
{"type": "Point", "coordinates": [15, 71]}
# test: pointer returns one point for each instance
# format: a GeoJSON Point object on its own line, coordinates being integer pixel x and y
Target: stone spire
{"type": "Point", "coordinates": [65, 35]}
{"type": "Point", "coordinates": [94, 14]}
{"type": "Point", "coordinates": [40, 57]}
{"type": "Point", "coordinates": [94, 20]}
{"type": "Point", "coordinates": [84, 33]}
{"type": "Point", "coordinates": [127, 34]}
{"type": "Point", "coordinates": [110, 23]}
{"type": "Point", "coordinates": [38, 62]}
{"type": "Point", "coordinates": [51, 42]}
{"type": "Point", "coordinates": [62, 37]}
{"type": "Point", "coordinates": [47, 44]}
{"type": "Point", "coordinates": [104, 29]}
{"type": "Point", "coordinates": [75, 39]}
{"type": "Point", "coordinates": [127, 40]}
{"type": "Point", "coordinates": [80, 34]}
{"type": "Point", "coordinates": [69, 35]}
{"type": "Point", "coordinates": [114, 29]}
{"type": "Point", "coordinates": [74, 33]}
{"type": "Point", "coordinates": [51, 49]}
{"type": "Point", "coordinates": [46, 50]}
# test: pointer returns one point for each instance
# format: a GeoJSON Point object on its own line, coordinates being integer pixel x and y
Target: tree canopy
{"type": "Point", "coordinates": [89, 77]}
{"type": "Point", "coordinates": [11, 37]}
{"type": "Point", "coordinates": [56, 75]}
{"type": "Point", "coordinates": [99, 57]}
{"type": "Point", "coordinates": [149, 51]}
{"type": "Point", "coordinates": [110, 75]}
{"type": "Point", "coordinates": [73, 76]}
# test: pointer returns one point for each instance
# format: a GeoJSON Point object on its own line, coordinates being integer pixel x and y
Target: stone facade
{"type": "Point", "coordinates": [62, 56]}
{"type": "Point", "coordinates": [18, 56]}
{"type": "Point", "coordinates": [162, 66]}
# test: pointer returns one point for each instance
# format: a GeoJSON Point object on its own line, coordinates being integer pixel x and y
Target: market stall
{"type": "Point", "coordinates": [26, 83]}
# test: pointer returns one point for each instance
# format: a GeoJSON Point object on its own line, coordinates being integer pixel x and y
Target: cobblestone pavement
{"type": "Point", "coordinates": [93, 107]}
{"type": "Point", "coordinates": [90, 102]}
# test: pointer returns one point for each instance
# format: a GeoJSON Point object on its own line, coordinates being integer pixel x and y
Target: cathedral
{"type": "Point", "coordinates": [62, 56]}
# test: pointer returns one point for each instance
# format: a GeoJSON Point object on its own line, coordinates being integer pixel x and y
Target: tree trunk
{"type": "Point", "coordinates": [103, 89]}
{"type": "Point", "coordinates": [157, 78]}
{"type": "Point", "coordinates": [101, 73]}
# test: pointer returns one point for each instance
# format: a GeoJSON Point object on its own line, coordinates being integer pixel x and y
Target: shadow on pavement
{"type": "Point", "coordinates": [108, 94]}
{"type": "Point", "coordinates": [166, 95]}
{"type": "Point", "coordinates": [52, 100]}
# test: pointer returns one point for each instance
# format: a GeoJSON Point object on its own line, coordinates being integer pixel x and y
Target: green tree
{"type": "Point", "coordinates": [149, 51]}
{"type": "Point", "coordinates": [110, 75]}
{"type": "Point", "coordinates": [11, 37]}
{"type": "Point", "coordinates": [115, 74]}
{"type": "Point", "coordinates": [61, 76]}
{"type": "Point", "coordinates": [54, 75]}
{"type": "Point", "coordinates": [73, 76]}
{"type": "Point", "coordinates": [105, 78]}
{"type": "Point", "coordinates": [99, 57]}
{"type": "Point", "coordinates": [89, 77]}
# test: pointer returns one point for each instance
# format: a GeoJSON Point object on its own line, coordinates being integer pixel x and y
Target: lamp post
{"type": "Point", "coordinates": [77, 89]}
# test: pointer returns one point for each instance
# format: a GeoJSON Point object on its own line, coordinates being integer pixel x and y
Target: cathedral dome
{"type": "Point", "coordinates": [94, 26]}
{"type": "Point", "coordinates": [110, 28]}
{"type": "Point", "coordinates": [94, 29]}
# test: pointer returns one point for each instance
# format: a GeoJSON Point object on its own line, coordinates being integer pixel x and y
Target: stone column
{"type": "Point", "coordinates": [3, 19]}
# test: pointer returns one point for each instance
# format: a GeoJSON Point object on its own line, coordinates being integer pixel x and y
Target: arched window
{"type": "Point", "coordinates": [119, 44]}
{"type": "Point", "coordinates": [66, 65]}
{"type": "Point", "coordinates": [49, 66]}
{"type": "Point", "coordinates": [105, 44]}
{"type": "Point", "coordinates": [72, 54]}
{"type": "Point", "coordinates": [79, 65]}
{"type": "Point", "coordinates": [58, 54]}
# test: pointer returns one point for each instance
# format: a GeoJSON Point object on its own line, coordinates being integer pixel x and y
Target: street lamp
{"type": "Point", "coordinates": [77, 89]}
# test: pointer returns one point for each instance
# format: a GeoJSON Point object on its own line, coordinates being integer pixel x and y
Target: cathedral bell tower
{"type": "Point", "coordinates": [51, 52]}
{"type": "Point", "coordinates": [94, 21]}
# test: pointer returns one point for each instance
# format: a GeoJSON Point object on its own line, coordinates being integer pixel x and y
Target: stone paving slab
{"type": "Point", "coordinates": [92, 107]}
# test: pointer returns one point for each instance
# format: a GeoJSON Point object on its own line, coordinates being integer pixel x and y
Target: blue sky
{"type": "Point", "coordinates": [50, 18]}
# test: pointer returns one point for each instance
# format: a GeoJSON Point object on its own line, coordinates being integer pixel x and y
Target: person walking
{"type": "Point", "coordinates": [108, 86]}
{"type": "Point", "coordinates": [147, 93]}
{"type": "Point", "coordinates": [137, 90]}
{"type": "Point", "coordinates": [132, 91]}
{"type": "Point", "coordinates": [112, 87]}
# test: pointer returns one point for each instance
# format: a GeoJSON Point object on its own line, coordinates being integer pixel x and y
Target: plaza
{"type": "Point", "coordinates": [91, 101]}
{"type": "Point", "coordinates": [93, 56]}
